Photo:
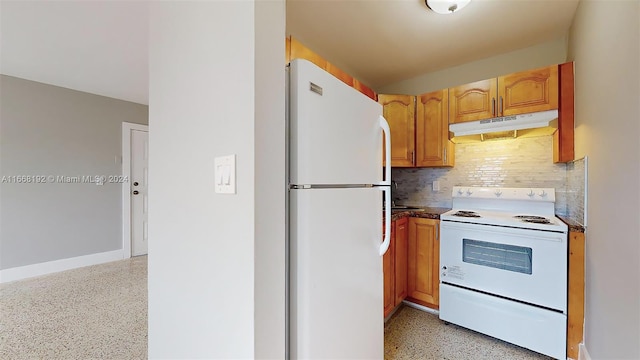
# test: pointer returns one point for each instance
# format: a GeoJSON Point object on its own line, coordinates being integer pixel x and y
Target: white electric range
{"type": "Point", "coordinates": [503, 259]}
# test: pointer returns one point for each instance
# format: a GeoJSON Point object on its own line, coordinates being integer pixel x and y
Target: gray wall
{"type": "Point", "coordinates": [216, 261]}
{"type": "Point", "coordinates": [605, 44]}
{"type": "Point", "coordinates": [48, 130]}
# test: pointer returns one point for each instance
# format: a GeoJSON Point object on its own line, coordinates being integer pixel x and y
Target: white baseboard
{"type": "Point", "coordinates": [583, 354]}
{"type": "Point", "coordinates": [420, 307]}
{"type": "Point", "coordinates": [28, 271]}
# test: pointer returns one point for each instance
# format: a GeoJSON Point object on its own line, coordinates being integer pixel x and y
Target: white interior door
{"type": "Point", "coordinates": [139, 198]}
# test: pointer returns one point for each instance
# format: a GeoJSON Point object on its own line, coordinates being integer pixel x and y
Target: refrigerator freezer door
{"type": "Point", "coordinates": [336, 309]}
{"type": "Point", "coordinates": [335, 133]}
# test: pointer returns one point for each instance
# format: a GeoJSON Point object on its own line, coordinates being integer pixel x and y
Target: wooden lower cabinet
{"type": "Point", "coordinates": [400, 256]}
{"type": "Point", "coordinates": [423, 262]}
{"type": "Point", "coordinates": [394, 265]}
{"type": "Point", "coordinates": [575, 315]}
{"type": "Point", "coordinates": [388, 262]}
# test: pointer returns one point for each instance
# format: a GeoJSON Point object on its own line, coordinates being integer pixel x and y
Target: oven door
{"type": "Point", "coordinates": [520, 264]}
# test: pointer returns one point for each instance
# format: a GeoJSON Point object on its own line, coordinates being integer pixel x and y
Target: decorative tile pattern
{"type": "Point", "coordinates": [522, 162]}
{"type": "Point", "coordinates": [576, 190]}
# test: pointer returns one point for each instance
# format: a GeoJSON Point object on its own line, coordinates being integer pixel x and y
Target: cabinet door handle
{"type": "Point", "coordinates": [413, 157]}
{"type": "Point", "coordinates": [493, 106]}
{"type": "Point", "coordinates": [444, 153]}
{"type": "Point", "coordinates": [501, 106]}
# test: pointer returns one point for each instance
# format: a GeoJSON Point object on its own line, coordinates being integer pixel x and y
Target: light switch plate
{"type": "Point", "coordinates": [225, 174]}
{"type": "Point", "coordinates": [436, 185]}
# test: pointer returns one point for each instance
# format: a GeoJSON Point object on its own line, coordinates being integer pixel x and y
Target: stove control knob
{"type": "Point", "coordinates": [469, 192]}
{"type": "Point", "coordinates": [444, 268]}
{"type": "Point", "coordinates": [531, 194]}
{"type": "Point", "coordinates": [498, 193]}
{"type": "Point", "coordinates": [460, 192]}
{"type": "Point", "coordinates": [543, 193]}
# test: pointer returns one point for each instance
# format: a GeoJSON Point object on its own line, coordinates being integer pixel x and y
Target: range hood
{"type": "Point", "coordinates": [547, 120]}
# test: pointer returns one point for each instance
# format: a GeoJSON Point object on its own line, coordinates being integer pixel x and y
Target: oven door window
{"type": "Point", "coordinates": [499, 256]}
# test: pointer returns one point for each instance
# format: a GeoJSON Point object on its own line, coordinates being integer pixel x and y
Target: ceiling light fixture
{"type": "Point", "coordinates": [446, 6]}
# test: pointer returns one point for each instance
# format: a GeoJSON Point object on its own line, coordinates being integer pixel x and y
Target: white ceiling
{"type": "Point", "coordinates": [101, 47]}
{"type": "Point", "coordinates": [383, 42]}
{"type": "Point", "coordinates": [98, 47]}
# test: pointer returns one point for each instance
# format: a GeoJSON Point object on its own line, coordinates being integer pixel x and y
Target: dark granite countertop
{"type": "Point", "coordinates": [573, 225]}
{"type": "Point", "coordinates": [426, 212]}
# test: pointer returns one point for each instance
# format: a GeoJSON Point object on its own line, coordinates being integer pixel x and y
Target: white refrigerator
{"type": "Point", "coordinates": [337, 183]}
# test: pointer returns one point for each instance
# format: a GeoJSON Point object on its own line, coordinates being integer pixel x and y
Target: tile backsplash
{"type": "Point", "coordinates": [522, 162]}
{"type": "Point", "coordinates": [577, 190]}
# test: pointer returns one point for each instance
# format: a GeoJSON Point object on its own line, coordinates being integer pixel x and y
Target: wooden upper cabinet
{"type": "Point", "coordinates": [424, 262]}
{"type": "Point", "coordinates": [401, 248]}
{"type": "Point", "coordinates": [343, 76]}
{"type": "Point", "coordinates": [528, 91]}
{"type": "Point", "coordinates": [364, 89]}
{"type": "Point", "coordinates": [518, 93]}
{"type": "Point", "coordinates": [433, 147]}
{"type": "Point", "coordinates": [399, 110]}
{"type": "Point", "coordinates": [299, 51]}
{"type": "Point", "coordinates": [563, 139]}
{"type": "Point", "coordinates": [474, 101]}
{"type": "Point", "coordinates": [296, 50]}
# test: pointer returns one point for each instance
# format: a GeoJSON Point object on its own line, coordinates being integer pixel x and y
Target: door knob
{"type": "Point", "coordinates": [136, 192]}
{"type": "Point", "coordinates": [135, 183]}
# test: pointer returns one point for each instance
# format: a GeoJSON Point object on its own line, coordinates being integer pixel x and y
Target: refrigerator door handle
{"type": "Point", "coordinates": [387, 221]}
{"type": "Point", "coordinates": [387, 154]}
{"type": "Point", "coordinates": [386, 181]}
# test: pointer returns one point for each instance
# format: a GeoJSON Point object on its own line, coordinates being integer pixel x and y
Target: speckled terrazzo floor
{"type": "Point", "coordinates": [412, 334]}
{"type": "Point", "coordinates": [100, 312]}
{"type": "Point", "coordinates": [95, 312]}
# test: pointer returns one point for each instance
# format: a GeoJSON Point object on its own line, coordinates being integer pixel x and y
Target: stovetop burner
{"type": "Point", "coordinates": [535, 217]}
{"type": "Point", "coordinates": [464, 213]}
{"type": "Point", "coordinates": [537, 221]}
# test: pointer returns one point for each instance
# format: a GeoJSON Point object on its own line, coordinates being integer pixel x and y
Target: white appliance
{"type": "Point", "coordinates": [503, 258]}
{"type": "Point", "coordinates": [507, 123]}
{"type": "Point", "coordinates": [335, 209]}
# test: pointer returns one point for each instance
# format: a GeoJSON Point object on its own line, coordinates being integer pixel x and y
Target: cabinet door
{"type": "Point", "coordinates": [401, 248]}
{"type": "Point", "coordinates": [528, 91]}
{"type": "Point", "coordinates": [388, 262]}
{"type": "Point", "coordinates": [424, 261]}
{"type": "Point", "coordinates": [474, 101]}
{"type": "Point", "coordinates": [563, 139]}
{"type": "Point", "coordinates": [433, 147]}
{"type": "Point", "coordinates": [399, 110]}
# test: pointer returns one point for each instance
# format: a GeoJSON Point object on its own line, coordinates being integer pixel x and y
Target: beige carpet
{"type": "Point", "coordinates": [414, 334]}
{"type": "Point", "coordinates": [96, 312]}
